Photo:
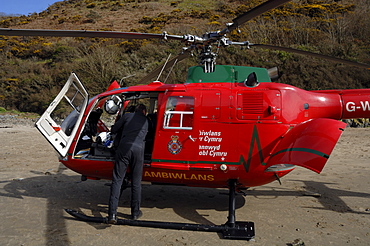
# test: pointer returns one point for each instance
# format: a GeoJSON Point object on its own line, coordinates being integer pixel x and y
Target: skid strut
{"type": "Point", "coordinates": [231, 229]}
{"type": "Point", "coordinates": [236, 229]}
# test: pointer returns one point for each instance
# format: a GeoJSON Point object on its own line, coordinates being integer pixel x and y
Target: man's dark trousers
{"type": "Point", "coordinates": [126, 154]}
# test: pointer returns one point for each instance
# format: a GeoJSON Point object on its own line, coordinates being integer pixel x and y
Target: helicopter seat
{"type": "Point", "coordinates": [100, 151]}
{"type": "Point", "coordinates": [103, 146]}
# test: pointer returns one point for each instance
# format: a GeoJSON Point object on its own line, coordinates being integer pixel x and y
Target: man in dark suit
{"type": "Point", "coordinates": [133, 128]}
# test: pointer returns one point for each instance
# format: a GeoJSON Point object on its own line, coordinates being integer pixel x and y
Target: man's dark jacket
{"type": "Point", "coordinates": [131, 128]}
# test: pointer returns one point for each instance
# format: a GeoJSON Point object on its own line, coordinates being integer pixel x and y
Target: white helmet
{"type": "Point", "coordinates": [113, 104]}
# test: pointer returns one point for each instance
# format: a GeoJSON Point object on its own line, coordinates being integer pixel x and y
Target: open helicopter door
{"type": "Point", "coordinates": [61, 119]}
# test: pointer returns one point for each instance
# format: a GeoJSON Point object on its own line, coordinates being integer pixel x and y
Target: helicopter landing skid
{"type": "Point", "coordinates": [230, 230]}
{"type": "Point", "coordinates": [241, 230]}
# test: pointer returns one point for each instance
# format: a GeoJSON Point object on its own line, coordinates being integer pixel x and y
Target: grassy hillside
{"type": "Point", "coordinates": [33, 69]}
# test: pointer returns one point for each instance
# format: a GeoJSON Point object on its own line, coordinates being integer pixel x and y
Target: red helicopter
{"type": "Point", "coordinates": [224, 127]}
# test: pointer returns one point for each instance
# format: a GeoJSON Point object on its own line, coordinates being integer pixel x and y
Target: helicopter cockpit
{"type": "Point", "coordinates": [96, 141]}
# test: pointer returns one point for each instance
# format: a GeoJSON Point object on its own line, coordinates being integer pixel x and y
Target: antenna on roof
{"type": "Point", "coordinates": [159, 75]}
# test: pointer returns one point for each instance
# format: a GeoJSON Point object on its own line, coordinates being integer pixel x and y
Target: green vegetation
{"type": "Point", "coordinates": [16, 113]}
{"type": "Point", "coordinates": [33, 69]}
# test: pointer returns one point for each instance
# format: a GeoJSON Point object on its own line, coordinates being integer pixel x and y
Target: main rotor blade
{"type": "Point", "coordinates": [84, 33]}
{"type": "Point", "coordinates": [147, 79]}
{"type": "Point", "coordinates": [260, 9]}
{"type": "Point", "coordinates": [307, 53]}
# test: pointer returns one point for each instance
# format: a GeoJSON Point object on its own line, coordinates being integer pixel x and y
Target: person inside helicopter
{"type": "Point", "coordinates": [106, 142]}
{"type": "Point", "coordinates": [89, 131]}
{"type": "Point", "coordinates": [149, 139]}
{"type": "Point", "coordinates": [96, 140]}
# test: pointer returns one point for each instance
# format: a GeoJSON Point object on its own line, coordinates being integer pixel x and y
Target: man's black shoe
{"type": "Point", "coordinates": [136, 217]}
{"type": "Point", "coordinates": [112, 219]}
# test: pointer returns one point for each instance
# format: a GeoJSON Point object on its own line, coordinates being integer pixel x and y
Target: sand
{"type": "Point", "coordinates": [331, 208]}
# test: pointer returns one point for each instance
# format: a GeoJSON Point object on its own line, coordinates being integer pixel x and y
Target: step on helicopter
{"type": "Point", "coordinates": [225, 126]}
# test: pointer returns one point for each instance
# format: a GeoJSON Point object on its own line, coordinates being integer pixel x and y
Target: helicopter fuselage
{"type": "Point", "coordinates": [212, 129]}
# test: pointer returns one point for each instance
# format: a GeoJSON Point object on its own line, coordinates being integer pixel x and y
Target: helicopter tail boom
{"type": "Point", "coordinates": [356, 104]}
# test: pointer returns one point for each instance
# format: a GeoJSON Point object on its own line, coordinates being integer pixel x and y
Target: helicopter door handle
{"type": "Point", "coordinates": [191, 138]}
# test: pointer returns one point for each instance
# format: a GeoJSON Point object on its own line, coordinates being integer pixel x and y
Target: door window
{"type": "Point", "coordinates": [179, 113]}
{"type": "Point", "coordinates": [61, 119]}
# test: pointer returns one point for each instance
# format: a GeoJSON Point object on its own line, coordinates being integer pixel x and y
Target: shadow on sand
{"type": "Point", "coordinates": [63, 191]}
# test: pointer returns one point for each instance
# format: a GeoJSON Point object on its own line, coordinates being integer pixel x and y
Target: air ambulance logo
{"type": "Point", "coordinates": [174, 146]}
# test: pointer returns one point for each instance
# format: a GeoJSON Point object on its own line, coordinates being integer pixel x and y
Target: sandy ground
{"type": "Point", "coordinates": [35, 188]}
